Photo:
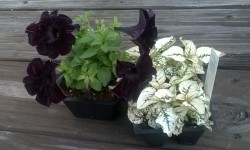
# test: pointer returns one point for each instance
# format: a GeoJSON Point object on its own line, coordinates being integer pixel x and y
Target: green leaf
{"type": "Point", "coordinates": [113, 38]}
{"type": "Point", "coordinates": [81, 77]}
{"type": "Point", "coordinates": [89, 53]}
{"type": "Point", "coordinates": [97, 38]}
{"type": "Point", "coordinates": [80, 85]}
{"type": "Point", "coordinates": [64, 64]}
{"type": "Point", "coordinates": [92, 69]}
{"type": "Point", "coordinates": [112, 57]}
{"type": "Point", "coordinates": [86, 82]}
{"type": "Point", "coordinates": [59, 68]}
{"type": "Point", "coordinates": [105, 60]}
{"type": "Point", "coordinates": [84, 68]}
{"type": "Point", "coordinates": [68, 80]}
{"type": "Point", "coordinates": [104, 76]}
{"type": "Point", "coordinates": [115, 23]}
{"type": "Point", "coordinates": [74, 74]}
{"type": "Point", "coordinates": [95, 84]}
{"type": "Point", "coordinates": [100, 25]}
{"type": "Point", "coordinates": [85, 39]}
{"type": "Point", "coordinates": [105, 48]}
{"type": "Point", "coordinates": [75, 62]}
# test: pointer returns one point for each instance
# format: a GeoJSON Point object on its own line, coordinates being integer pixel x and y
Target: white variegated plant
{"type": "Point", "coordinates": [175, 94]}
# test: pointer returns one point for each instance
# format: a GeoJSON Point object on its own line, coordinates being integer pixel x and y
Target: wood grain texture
{"type": "Point", "coordinates": [235, 62]}
{"type": "Point", "coordinates": [227, 30]}
{"type": "Point", "coordinates": [223, 25]}
{"type": "Point", "coordinates": [118, 4]}
{"type": "Point", "coordinates": [29, 141]}
{"type": "Point", "coordinates": [20, 113]}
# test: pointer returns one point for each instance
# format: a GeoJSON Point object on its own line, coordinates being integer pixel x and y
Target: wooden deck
{"type": "Point", "coordinates": [222, 24]}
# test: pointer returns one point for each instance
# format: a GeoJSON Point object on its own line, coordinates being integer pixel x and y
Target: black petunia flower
{"type": "Point", "coordinates": [144, 33]}
{"type": "Point", "coordinates": [41, 81]}
{"type": "Point", "coordinates": [52, 34]}
{"type": "Point", "coordinates": [134, 77]}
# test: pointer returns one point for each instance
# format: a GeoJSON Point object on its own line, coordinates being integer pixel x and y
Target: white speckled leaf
{"type": "Point", "coordinates": [133, 51]}
{"type": "Point", "coordinates": [160, 75]}
{"type": "Point", "coordinates": [198, 105]}
{"type": "Point", "coordinates": [190, 48]}
{"type": "Point", "coordinates": [163, 41]}
{"type": "Point", "coordinates": [174, 80]}
{"type": "Point", "coordinates": [153, 124]}
{"type": "Point", "coordinates": [175, 52]}
{"type": "Point", "coordinates": [146, 97]}
{"type": "Point", "coordinates": [188, 86]}
{"type": "Point", "coordinates": [180, 97]}
{"type": "Point", "coordinates": [135, 115]}
{"type": "Point", "coordinates": [172, 89]}
{"type": "Point", "coordinates": [164, 94]}
{"type": "Point", "coordinates": [198, 68]}
{"type": "Point", "coordinates": [181, 111]}
{"type": "Point", "coordinates": [168, 120]}
{"type": "Point", "coordinates": [204, 53]}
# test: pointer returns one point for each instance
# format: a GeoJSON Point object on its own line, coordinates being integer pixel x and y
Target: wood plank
{"type": "Point", "coordinates": [227, 30]}
{"type": "Point", "coordinates": [28, 117]}
{"type": "Point", "coordinates": [117, 4]}
{"type": "Point", "coordinates": [21, 114]}
{"type": "Point", "coordinates": [28, 141]}
{"type": "Point", "coordinates": [235, 62]}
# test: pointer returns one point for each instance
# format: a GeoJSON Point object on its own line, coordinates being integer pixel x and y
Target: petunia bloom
{"type": "Point", "coordinates": [52, 35]}
{"type": "Point", "coordinates": [134, 77]}
{"type": "Point", "coordinates": [41, 81]}
{"type": "Point", "coordinates": [144, 33]}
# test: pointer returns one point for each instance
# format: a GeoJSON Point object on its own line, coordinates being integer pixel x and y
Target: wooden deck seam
{"type": "Point", "coordinates": [77, 138]}
{"type": "Point", "coordinates": [132, 8]}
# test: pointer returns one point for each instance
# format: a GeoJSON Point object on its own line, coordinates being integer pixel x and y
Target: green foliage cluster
{"type": "Point", "coordinates": [91, 62]}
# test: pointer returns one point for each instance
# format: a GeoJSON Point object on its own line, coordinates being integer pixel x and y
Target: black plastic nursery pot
{"type": "Point", "coordinates": [190, 135]}
{"type": "Point", "coordinates": [101, 110]}
{"type": "Point", "coordinates": [155, 137]}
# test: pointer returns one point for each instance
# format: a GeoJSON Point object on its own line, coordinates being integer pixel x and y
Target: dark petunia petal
{"type": "Point", "coordinates": [44, 16]}
{"type": "Point", "coordinates": [42, 97]}
{"type": "Point", "coordinates": [57, 95]}
{"type": "Point", "coordinates": [50, 67]}
{"type": "Point", "coordinates": [52, 35]}
{"type": "Point", "coordinates": [42, 49]}
{"type": "Point", "coordinates": [120, 89]}
{"type": "Point", "coordinates": [64, 45]}
{"type": "Point", "coordinates": [70, 28]}
{"type": "Point", "coordinates": [32, 84]}
{"type": "Point", "coordinates": [33, 34]}
{"type": "Point", "coordinates": [52, 52]}
{"type": "Point", "coordinates": [122, 67]}
{"type": "Point", "coordinates": [62, 20]}
{"type": "Point", "coordinates": [53, 15]}
{"type": "Point", "coordinates": [35, 67]}
{"type": "Point", "coordinates": [144, 33]}
{"type": "Point", "coordinates": [134, 79]}
{"type": "Point", "coordinates": [42, 81]}
{"type": "Point", "coordinates": [145, 68]}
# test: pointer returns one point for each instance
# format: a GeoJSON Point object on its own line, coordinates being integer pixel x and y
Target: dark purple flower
{"type": "Point", "coordinates": [134, 77]}
{"type": "Point", "coordinates": [144, 33]}
{"type": "Point", "coordinates": [41, 81]}
{"type": "Point", "coordinates": [52, 34]}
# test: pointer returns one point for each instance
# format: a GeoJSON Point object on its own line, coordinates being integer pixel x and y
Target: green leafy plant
{"type": "Point", "coordinates": [92, 60]}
